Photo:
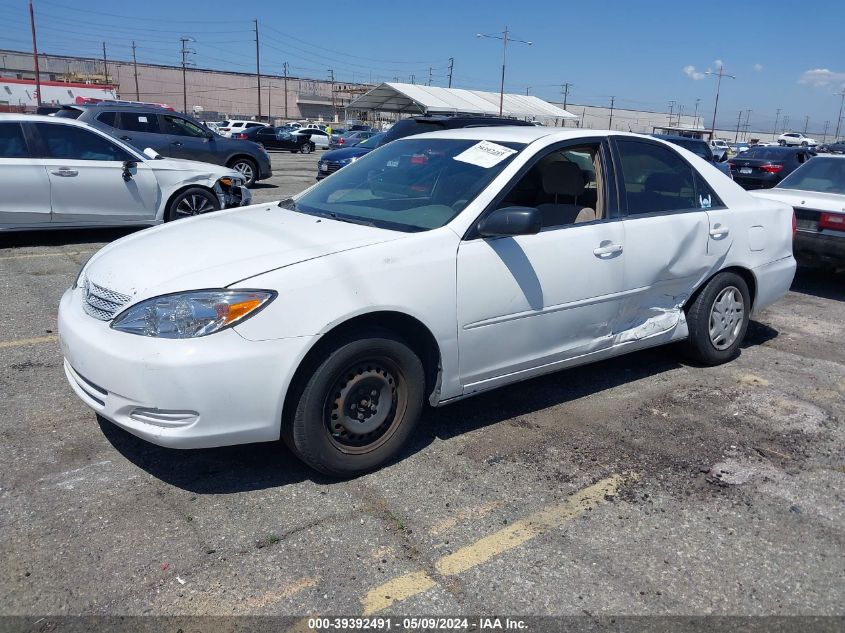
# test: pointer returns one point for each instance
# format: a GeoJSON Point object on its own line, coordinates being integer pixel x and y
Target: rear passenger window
{"type": "Point", "coordinates": [12, 142]}
{"type": "Point", "coordinates": [135, 122]}
{"type": "Point", "coordinates": [71, 142]}
{"type": "Point", "coordinates": [656, 179]}
{"type": "Point", "coordinates": [108, 118]}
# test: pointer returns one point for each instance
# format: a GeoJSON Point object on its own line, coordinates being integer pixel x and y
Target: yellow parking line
{"type": "Point", "coordinates": [21, 342]}
{"type": "Point", "coordinates": [413, 583]}
{"type": "Point", "coordinates": [50, 254]}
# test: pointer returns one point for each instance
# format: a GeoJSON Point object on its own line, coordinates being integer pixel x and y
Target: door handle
{"type": "Point", "coordinates": [719, 231]}
{"type": "Point", "coordinates": [607, 249]}
{"type": "Point", "coordinates": [176, 143]}
{"type": "Point", "coordinates": [67, 173]}
{"type": "Point", "coordinates": [125, 138]}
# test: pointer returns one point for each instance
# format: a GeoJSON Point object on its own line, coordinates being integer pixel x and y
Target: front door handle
{"type": "Point", "coordinates": [176, 143]}
{"type": "Point", "coordinates": [125, 138]}
{"type": "Point", "coordinates": [66, 173]}
{"type": "Point", "coordinates": [607, 249]}
{"type": "Point", "coordinates": [719, 231]}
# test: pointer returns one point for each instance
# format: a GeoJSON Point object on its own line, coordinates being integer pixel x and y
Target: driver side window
{"type": "Point", "coordinates": [182, 127]}
{"type": "Point", "coordinates": [566, 185]}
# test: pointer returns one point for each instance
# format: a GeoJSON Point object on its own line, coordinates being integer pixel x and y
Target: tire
{"type": "Point", "coordinates": [247, 168]}
{"type": "Point", "coordinates": [376, 376]}
{"type": "Point", "coordinates": [307, 148]}
{"type": "Point", "coordinates": [804, 144]}
{"type": "Point", "coordinates": [782, 143]}
{"type": "Point", "coordinates": [193, 201]}
{"type": "Point", "coordinates": [725, 295]}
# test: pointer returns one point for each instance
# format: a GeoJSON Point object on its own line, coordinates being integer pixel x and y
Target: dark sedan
{"type": "Point", "coordinates": [278, 138]}
{"type": "Point", "coordinates": [349, 139]}
{"type": "Point", "coordinates": [333, 160]}
{"type": "Point", "coordinates": [764, 167]}
{"type": "Point", "coordinates": [698, 147]}
{"type": "Point", "coordinates": [836, 147]}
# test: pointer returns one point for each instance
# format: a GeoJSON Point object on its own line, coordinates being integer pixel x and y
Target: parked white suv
{"type": "Point", "coordinates": [227, 128]}
{"type": "Point", "coordinates": [57, 173]}
{"type": "Point", "coordinates": [436, 267]}
{"type": "Point", "coordinates": [796, 138]}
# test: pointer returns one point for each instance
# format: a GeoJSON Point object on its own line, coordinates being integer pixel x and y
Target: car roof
{"type": "Point", "coordinates": [523, 134]}
{"type": "Point", "coordinates": [42, 118]}
{"type": "Point", "coordinates": [676, 137]}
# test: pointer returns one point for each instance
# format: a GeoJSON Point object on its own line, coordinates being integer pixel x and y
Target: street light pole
{"type": "Point", "coordinates": [839, 120]}
{"type": "Point", "coordinates": [505, 37]}
{"type": "Point", "coordinates": [720, 74]}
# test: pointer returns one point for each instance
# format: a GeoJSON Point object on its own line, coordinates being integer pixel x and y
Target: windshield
{"type": "Point", "coordinates": [826, 175]}
{"type": "Point", "coordinates": [409, 185]}
{"type": "Point", "coordinates": [372, 142]}
{"type": "Point", "coordinates": [767, 153]}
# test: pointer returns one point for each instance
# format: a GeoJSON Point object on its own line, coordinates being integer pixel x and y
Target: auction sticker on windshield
{"type": "Point", "coordinates": [485, 154]}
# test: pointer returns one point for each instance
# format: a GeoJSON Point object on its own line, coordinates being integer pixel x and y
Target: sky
{"type": "Point", "coordinates": [645, 54]}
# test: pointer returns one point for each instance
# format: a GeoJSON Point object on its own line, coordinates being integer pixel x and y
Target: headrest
{"type": "Point", "coordinates": [563, 178]}
{"type": "Point", "coordinates": [665, 182]}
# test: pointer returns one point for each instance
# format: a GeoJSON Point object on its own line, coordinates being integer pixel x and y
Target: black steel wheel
{"type": "Point", "coordinates": [359, 405]}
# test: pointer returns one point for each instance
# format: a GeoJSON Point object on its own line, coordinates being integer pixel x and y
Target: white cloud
{"type": "Point", "coordinates": [758, 67]}
{"type": "Point", "coordinates": [692, 73]}
{"type": "Point", "coordinates": [820, 77]}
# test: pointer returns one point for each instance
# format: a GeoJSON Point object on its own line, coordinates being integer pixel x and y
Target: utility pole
{"type": "Point", "coordinates": [135, 66]}
{"type": "Point", "coordinates": [258, 68]}
{"type": "Point", "coordinates": [824, 136]}
{"type": "Point", "coordinates": [505, 37]}
{"type": "Point", "coordinates": [451, 66]}
{"type": "Point", "coordinates": [285, 67]}
{"type": "Point", "coordinates": [105, 64]}
{"type": "Point", "coordinates": [720, 74]}
{"type": "Point", "coordinates": [35, 56]}
{"type": "Point", "coordinates": [671, 107]}
{"type": "Point", "coordinates": [185, 52]}
{"type": "Point", "coordinates": [331, 77]}
{"type": "Point", "coordinates": [680, 113]}
{"type": "Point", "coordinates": [695, 116]}
{"type": "Point", "coordinates": [806, 123]}
{"type": "Point", "coordinates": [838, 121]}
{"type": "Point", "coordinates": [565, 90]}
{"type": "Point", "coordinates": [738, 119]}
{"type": "Point", "coordinates": [747, 117]}
{"type": "Point", "coordinates": [429, 75]}
{"type": "Point", "coordinates": [785, 122]}
{"type": "Point", "coordinates": [414, 79]}
{"type": "Point", "coordinates": [610, 122]}
{"type": "Point", "coordinates": [777, 116]}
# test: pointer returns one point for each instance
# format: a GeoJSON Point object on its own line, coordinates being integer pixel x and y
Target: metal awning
{"type": "Point", "coordinates": [415, 99]}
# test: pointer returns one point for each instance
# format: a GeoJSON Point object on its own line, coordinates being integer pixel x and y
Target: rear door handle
{"type": "Point", "coordinates": [608, 249]}
{"type": "Point", "coordinates": [176, 143]}
{"type": "Point", "coordinates": [67, 173]}
{"type": "Point", "coordinates": [719, 231]}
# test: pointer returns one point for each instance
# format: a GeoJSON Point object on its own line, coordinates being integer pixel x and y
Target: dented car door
{"type": "Point", "coordinates": [667, 231]}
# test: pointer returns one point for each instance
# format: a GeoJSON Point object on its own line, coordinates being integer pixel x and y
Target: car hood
{"type": "Point", "coordinates": [183, 165]}
{"type": "Point", "coordinates": [223, 248]}
{"type": "Point", "coordinates": [804, 199]}
{"type": "Point", "coordinates": [345, 153]}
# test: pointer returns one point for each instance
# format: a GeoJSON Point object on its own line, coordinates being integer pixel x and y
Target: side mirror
{"type": "Point", "coordinates": [127, 165]}
{"type": "Point", "coordinates": [511, 221]}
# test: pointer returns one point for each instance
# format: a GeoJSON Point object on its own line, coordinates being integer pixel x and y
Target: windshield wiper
{"type": "Point", "coordinates": [341, 218]}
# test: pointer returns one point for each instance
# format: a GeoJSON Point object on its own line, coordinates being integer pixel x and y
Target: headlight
{"type": "Point", "coordinates": [231, 181]}
{"type": "Point", "coordinates": [80, 276]}
{"type": "Point", "coordinates": [191, 314]}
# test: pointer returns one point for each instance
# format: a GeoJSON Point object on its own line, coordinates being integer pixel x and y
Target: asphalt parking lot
{"type": "Point", "coordinates": [641, 485]}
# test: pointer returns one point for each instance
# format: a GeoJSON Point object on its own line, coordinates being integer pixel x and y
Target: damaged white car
{"type": "Point", "coordinates": [434, 268]}
{"type": "Point", "coordinates": [59, 173]}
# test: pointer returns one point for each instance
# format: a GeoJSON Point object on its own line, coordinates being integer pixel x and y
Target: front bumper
{"type": "Point", "coordinates": [232, 197]}
{"type": "Point", "coordinates": [265, 170]}
{"type": "Point", "coordinates": [215, 390]}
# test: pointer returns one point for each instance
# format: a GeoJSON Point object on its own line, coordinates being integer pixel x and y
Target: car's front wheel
{"type": "Point", "coordinates": [359, 404]}
{"type": "Point", "coordinates": [193, 201]}
{"type": "Point", "coordinates": [307, 148]}
{"type": "Point", "coordinates": [718, 319]}
{"type": "Point", "coordinates": [247, 168]}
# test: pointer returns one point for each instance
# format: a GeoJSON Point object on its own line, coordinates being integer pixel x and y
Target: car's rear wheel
{"type": "Point", "coordinates": [781, 143]}
{"type": "Point", "coordinates": [247, 168]}
{"type": "Point", "coordinates": [718, 319]}
{"type": "Point", "coordinates": [361, 402]}
{"type": "Point", "coordinates": [804, 144]}
{"type": "Point", "coordinates": [193, 201]}
{"type": "Point", "coordinates": [307, 148]}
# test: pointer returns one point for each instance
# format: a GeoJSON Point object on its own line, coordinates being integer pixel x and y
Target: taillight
{"type": "Point", "coordinates": [771, 169]}
{"type": "Point", "coordinates": [341, 141]}
{"type": "Point", "coordinates": [731, 165]}
{"type": "Point", "coordinates": [239, 135]}
{"type": "Point", "coordinates": [832, 221]}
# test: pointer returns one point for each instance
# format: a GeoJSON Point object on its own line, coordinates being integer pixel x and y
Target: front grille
{"type": "Point", "coordinates": [331, 167]}
{"type": "Point", "coordinates": [102, 303]}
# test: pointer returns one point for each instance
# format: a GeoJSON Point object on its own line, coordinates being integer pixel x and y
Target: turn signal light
{"type": "Point", "coordinates": [832, 221]}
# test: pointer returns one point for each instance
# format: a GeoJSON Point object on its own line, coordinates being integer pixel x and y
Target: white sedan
{"type": "Point", "coordinates": [60, 173]}
{"type": "Point", "coordinates": [437, 267]}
